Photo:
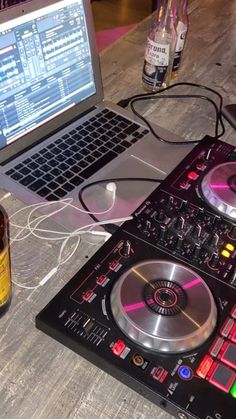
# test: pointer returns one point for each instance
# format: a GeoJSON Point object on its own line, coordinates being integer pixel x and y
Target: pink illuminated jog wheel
{"type": "Point", "coordinates": [219, 189]}
{"type": "Point", "coordinates": [163, 306]}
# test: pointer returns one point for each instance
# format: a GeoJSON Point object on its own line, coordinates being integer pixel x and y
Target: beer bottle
{"type": "Point", "coordinates": [160, 48]}
{"type": "Point", "coordinates": [181, 29]}
{"type": "Point", "coordinates": [5, 268]}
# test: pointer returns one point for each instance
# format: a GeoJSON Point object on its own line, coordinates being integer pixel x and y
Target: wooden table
{"type": "Point", "coordinates": [41, 379]}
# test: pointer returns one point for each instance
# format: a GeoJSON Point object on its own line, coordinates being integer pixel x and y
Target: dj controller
{"type": "Point", "coordinates": [155, 307]}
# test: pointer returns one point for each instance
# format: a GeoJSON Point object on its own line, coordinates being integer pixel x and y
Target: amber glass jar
{"type": "Point", "coordinates": [5, 264]}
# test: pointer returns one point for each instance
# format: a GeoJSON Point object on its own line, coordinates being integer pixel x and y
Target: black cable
{"type": "Point", "coordinates": [110, 228]}
{"type": "Point", "coordinates": [155, 95]}
{"type": "Point", "coordinates": [174, 97]}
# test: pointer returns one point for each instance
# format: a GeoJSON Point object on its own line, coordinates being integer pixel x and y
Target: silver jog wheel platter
{"type": "Point", "coordinates": [163, 306]}
{"type": "Point", "coordinates": [219, 188]}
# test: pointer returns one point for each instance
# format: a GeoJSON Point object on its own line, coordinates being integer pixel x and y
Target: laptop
{"type": "Point", "coordinates": [56, 131]}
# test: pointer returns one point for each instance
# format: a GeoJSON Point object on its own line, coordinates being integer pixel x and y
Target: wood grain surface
{"type": "Point", "coordinates": [41, 379]}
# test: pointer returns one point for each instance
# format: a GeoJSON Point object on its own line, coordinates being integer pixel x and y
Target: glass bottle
{"type": "Point", "coordinates": [160, 48]}
{"type": "Point", "coordinates": [181, 29]}
{"type": "Point", "coordinates": [5, 268]}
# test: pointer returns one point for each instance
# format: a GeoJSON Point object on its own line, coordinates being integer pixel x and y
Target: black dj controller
{"type": "Point", "coordinates": [156, 306]}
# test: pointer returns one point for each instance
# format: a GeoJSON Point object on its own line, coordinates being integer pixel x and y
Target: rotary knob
{"type": "Point", "coordinates": [126, 249]}
{"type": "Point", "coordinates": [219, 188]}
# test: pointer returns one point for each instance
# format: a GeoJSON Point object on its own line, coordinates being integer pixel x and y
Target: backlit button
{"type": "Point", "coordinates": [204, 366]}
{"type": "Point", "coordinates": [192, 175]}
{"type": "Point", "coordinates": [232, 335]}
{"type": "Point", "coordinates": [217, 345]}
{"type": "Point", "coordinates": [101, 279]}
{"type": "Point", "coordinates": [233, 312]}
{"type": "Point", "coordinates": [87, 295]}
{"type": "Point", "coordinates": [233, 390]}
{"type": "Point", "coordinates": [185, 372]}
{"type": "Point", "coordinates": [225, 253]}
{"type": "Point", "coordinates": [113, 265]}
{"type": "Point", "coordinates": [229, 354]}
{"type": "Point", "coordinates": [118, 347]}
{"type": "Point", "coordinates": [229, 247]}
{"type": "Point", "coordinates": [222, 378]}
{"type": "Point", "coordinates": [184, 185]}
{"type": "Point", "coordinates": [227, 326]}
{"type": "Point", "coordinates": [201, 166]}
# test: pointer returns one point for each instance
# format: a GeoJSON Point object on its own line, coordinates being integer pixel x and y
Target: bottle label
{"type": "Point", "coordinates": [5, 277]}
{"type": "Point", "coordinates": [157, 54]}
{"type": "Point", "coordinates": [181, 31]}
{"type": "Point", "coordinates": [155, 63]}
{"type": "Point", "coordinates": [181, 35]}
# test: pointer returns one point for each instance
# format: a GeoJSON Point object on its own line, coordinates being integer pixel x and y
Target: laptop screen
{"type": "Point", "coordinates": [45, 67]}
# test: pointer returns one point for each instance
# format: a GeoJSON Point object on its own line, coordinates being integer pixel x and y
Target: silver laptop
{"type": "Point", "coordinates": [56, 131]}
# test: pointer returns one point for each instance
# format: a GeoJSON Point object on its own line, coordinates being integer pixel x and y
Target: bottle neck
{"type": "Point", "coordinates": [166, 12]}
{"type": "Point", "coordinates": [182, 9]}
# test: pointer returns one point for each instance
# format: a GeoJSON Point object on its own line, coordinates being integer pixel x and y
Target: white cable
{"type": "Point", "coordinates": [7, 194]}
{"type": "Point", "coordinates": [78, 232]}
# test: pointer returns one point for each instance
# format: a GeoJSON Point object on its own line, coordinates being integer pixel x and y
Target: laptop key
{"type": "Point", "coordinates": [131, 129]}
{"type": "Point", "coordinates": [60, 180]}
{"type": "Point", "coordinates": [53, 163]}
{"type": "Point", "coordinates": [52, 185]}
{"type": "Point", "coordinates": [56, 171]}
{"type": "Point", "coordinates": [52, 197]}
{"type": "Point", "coordinates": [76, 180]}
{"type": "Point", "coordinates": [94, 167]}
{"type": "Point", "coordinates": [45, 168]}
{"type": "Point", "coordinates": [16, 176]}
{"type": "Point", "coordinates": [35, 186]}
{"type": "Point", "coordinates": [19, 166]}
{"type": "Point", "coordinates": [33, 165]}
{"type": "Point", "coordinates": [68, 174]}
{"type": "Point", "coordinates": [48, 177]}
{"type": "Point", "coordinates": [10, 172]}
{"type": "Point", "coordinates": [44, 192]}
{"type": "Point", "coordinates": [24, 170]}
{"type": "Point", "coordinates": [27, 180]}
{"type": "Point", "coordinates": [68, 187]}
{"type": "Point", "coordinates": [82, 164]}
{"type": "Point", "coordinates": [37, 173]}
{"type": "Point", "coordinates": [125, 144]}
{"type": "Point", "coordinates": [119, 149]}
{"type": "Point", "coordinates": [60, 192]}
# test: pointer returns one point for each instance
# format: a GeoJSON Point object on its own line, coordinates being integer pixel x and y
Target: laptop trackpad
{"type": "Point", "coordinates": [134, 167]}
{"type": "Point", "coordinates": [129, 194]}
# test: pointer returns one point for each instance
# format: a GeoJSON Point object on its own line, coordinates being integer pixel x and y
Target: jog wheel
{"type": "Point", "coordinates": [219, 189]}
{"type": "Point", "coordinates": [163, 306]}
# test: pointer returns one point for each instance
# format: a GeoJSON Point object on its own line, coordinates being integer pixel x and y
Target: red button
{"type": "Point", "coordinates": [113, 265]}
{"type": "Point", "coordinates": [87, 295]}
{"type": "Point", "coordinates": [205, 366]}
{"type": "Point", "coordinates": [118, 347]}
{"type": "Point", "coordinates": [101, 279]}
{"type": "Point", "coordinates": [233, 312]}
{"type": "Point", "coordinates": [192, 175]}
{"type": "Point", "coordinates": [227, 326]}
{"type": "Point", "coordinates": [217, 345]}
{"type": "Point", "coordinates": [184, 185]}
{"type": "Point", "coordinates": [232, 335]}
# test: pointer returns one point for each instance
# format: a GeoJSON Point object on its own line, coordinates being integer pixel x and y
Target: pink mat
{"type": "Point", "coordinates": [108, 36]}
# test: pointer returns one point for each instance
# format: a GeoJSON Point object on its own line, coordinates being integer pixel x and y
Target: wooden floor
{"type": "Point", "coordinates": [115, 13]}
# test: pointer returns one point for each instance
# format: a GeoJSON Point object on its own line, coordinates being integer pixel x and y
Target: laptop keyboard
{"type": "Point", "coordinates": [67, 162]}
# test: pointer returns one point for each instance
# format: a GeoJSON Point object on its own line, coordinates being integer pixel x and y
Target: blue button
{"type": "Point", "coordinates": [185, 372]}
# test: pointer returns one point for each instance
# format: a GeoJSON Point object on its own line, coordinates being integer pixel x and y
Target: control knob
{"type": "Point", "coordinates": [126, 249]}
{"type": "Point", "coordinates": [214, 259]}
{"type": "Point", "coordinates": [179, 224]}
